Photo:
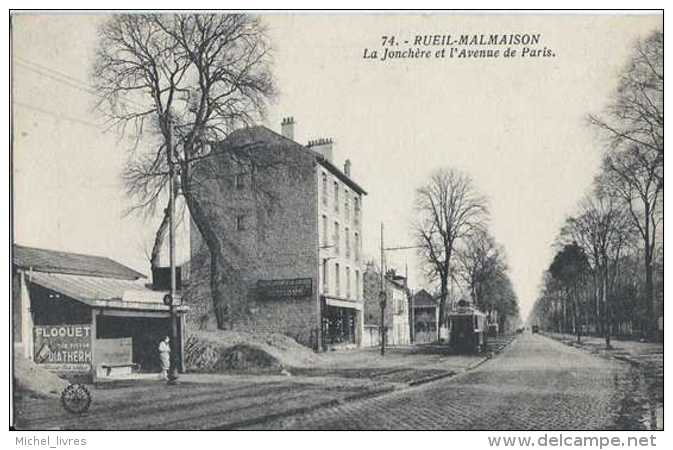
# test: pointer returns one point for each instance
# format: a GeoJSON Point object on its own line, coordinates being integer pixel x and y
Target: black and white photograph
{"type": "Point", "coordinates": [337, 220]}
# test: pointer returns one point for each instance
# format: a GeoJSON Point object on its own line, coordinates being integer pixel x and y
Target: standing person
{"type": "Point", "coordinates": [165, 356]}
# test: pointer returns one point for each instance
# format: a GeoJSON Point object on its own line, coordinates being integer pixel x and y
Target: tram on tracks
{"type": "Point", "coordinates": [468, 328]}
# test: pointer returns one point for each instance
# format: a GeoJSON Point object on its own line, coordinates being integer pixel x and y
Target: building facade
{"type": "Point", "coordinates": [396, 316]}
{"type": "Point", "coordinates": [291, 224]}
{"type": "Point", "coordinates": [425, 316]}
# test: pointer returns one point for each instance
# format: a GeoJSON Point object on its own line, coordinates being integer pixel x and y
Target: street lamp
{"type": "Point", "coordinates": [382, 302]}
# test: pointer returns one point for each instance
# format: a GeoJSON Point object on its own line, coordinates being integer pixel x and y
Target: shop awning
{"type": "Point", "coordinates": [102, 292]}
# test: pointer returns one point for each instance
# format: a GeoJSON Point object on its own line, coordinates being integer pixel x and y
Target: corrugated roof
{"type": "Point", "coordinates": [52, 261]}
{"type": "Point", "coordinates": [102, 292]}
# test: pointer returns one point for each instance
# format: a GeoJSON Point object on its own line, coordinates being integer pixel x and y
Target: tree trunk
{"type": "Point", "coordinates": [650, 320]}
{"type": "Point", "coordinates": [217, 290]}
{"type": "Point", "coordinates": [598, 305]}
{"type": "Point", "coordinates": [608, 310]}
{"type": "Point", "coordinates": [159, 238]}
{"type": "Point", "coordinates": [577, 314]}
{"type": "Point", "coordinates": [442, 305]}
{"type": "Point", "coordinates": [222, 274]}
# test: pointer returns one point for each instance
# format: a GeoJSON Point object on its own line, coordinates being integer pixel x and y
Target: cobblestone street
{"type": "Point", "coordinates": [536, 383]}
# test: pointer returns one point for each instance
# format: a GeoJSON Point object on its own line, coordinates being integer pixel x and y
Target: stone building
{"type": "Point", "coordinates": [293, 222]}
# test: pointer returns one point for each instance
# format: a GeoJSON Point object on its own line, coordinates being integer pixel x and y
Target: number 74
{"type": "Point", "coordinates": [387, 40]}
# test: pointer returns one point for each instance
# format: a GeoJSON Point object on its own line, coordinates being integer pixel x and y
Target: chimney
{"type": "Point", "coordinates": [347, 168]}
{"type": "Point", "coordinates": [322, 146]}
{"type": "Point", "coordinates": [287, 127]}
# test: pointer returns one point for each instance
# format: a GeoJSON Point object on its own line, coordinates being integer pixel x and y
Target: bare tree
{"type": "Point", "coordinates": [448, 210]}
{"type": "Point", "coordinates": [635, 118]}
{"type": "Point", "coordinates": [481, 260]}
{"type": "Point", "coordinates": [633, 163]}
{"type": "Point", "coordinates": [181, 83]}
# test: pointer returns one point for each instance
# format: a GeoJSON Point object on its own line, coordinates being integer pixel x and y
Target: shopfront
{"type": "Point", "coordinates": [86, 324]}
{"type": "Point", "coordinates": [341, 322]}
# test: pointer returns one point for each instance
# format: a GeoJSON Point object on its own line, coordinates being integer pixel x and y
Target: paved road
{"type": "Point", "coordinates": [536, 383]}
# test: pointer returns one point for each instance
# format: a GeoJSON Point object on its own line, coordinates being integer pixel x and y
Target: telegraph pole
{"type": "Point", "coordinates": [382, 299]}
{"type": "Point", "coordinates": [173, 371]}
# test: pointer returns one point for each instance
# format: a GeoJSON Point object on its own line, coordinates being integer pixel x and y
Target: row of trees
{"type": "Point", "coordinates": [456, 247]}
{"type": "Point", "coordinates": [607, 276]}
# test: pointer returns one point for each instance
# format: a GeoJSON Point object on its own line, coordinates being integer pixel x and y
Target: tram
{"type": "Point", "coordinates": [467, 328]}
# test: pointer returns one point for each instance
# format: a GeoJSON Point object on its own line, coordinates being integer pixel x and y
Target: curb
{"type": "Point", "coordinates": [599, 353]}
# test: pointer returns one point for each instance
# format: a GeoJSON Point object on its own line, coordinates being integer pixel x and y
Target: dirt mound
{"type": "Point", "coordinates": [31, 378]}
{"type": "Point", "coordinates": [243, 357]}
{"type": "Point", "coordinates": [219, 351]}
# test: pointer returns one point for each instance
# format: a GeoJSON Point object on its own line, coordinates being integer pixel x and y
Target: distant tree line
{"type": "Point", "coordinates": [607, 276]}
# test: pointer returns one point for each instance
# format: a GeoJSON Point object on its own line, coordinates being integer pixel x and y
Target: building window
{"type": "Point", "coordinates": [356, 247]}
{"type": "Point", "coordinates": [337, 281]}
{"type": "Point", "coordinates": [336, 196]}
{"type": "Point", "coordinates": [348, 282]}
{"type": "Point", "coordinates": [325, 277]}
{"type": "Point", "coordinates": [240, 223]}
{"type": "Point", "coordinates": [357, 285]}
{"type": "Point", "coordinates": [356, 209]}
{"type": "Point", "coordinates": [324, 188]}
{"type": "Point", "coordinates": [347, 206]}
{"type": "Point", "coordinates": [324, 231]}
{"type": "Point", "coordinates": [400, 306]}
{"type": "Point", "coordinates": [239, 181]}
{"type": "Point", "coordinates": [336, 237]}
{"type": "Point", "coordinates": [347, 243]}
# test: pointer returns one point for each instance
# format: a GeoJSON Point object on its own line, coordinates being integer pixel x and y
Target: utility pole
{"type": "Point", "coordinates": [173, 371]}
{"type": "Point", "coordinates": [382, 299]}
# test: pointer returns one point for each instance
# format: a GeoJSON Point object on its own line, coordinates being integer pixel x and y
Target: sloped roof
{"type": "Point", "coordinates": [51, 261]}
{"type": "Point", "coordinates": [263, 133]}
{"type": "Point", "coordinates": [423, 299]}
{"type": "Point", "coordinates": [102, 292]}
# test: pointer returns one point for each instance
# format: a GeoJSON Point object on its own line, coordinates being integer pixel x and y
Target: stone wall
{"type": "Point", "coordinates": [279, 240]}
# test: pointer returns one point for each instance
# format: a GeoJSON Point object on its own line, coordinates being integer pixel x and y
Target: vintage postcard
{"type": "Point", "coordinates": [338, 220]}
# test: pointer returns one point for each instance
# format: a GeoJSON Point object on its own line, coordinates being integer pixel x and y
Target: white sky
{"type": "Point", "coordinates": [517, 126]}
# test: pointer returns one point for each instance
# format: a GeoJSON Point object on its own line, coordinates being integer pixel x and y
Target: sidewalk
{"type": "Point", "coordinates": [648, 357]}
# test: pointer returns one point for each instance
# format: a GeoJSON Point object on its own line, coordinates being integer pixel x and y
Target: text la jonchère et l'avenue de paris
{"type": "Point", "coordinates": [439, 46]}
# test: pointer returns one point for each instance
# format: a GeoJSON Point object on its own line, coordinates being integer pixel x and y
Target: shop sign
{"type": "Point", "coordinates": [65, 348]}
{"type": "Point", "coordinates": [292, 288]}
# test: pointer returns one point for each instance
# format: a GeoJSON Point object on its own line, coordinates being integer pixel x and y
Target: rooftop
{"type": "Point", "coordinates": [103, 292]}
{"type": "Point", "coordinates": [263, 133]}
{"type": "Point", "coordinates": [52, 261]}
{"type": "Point", "coordinates": [423, 298]}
